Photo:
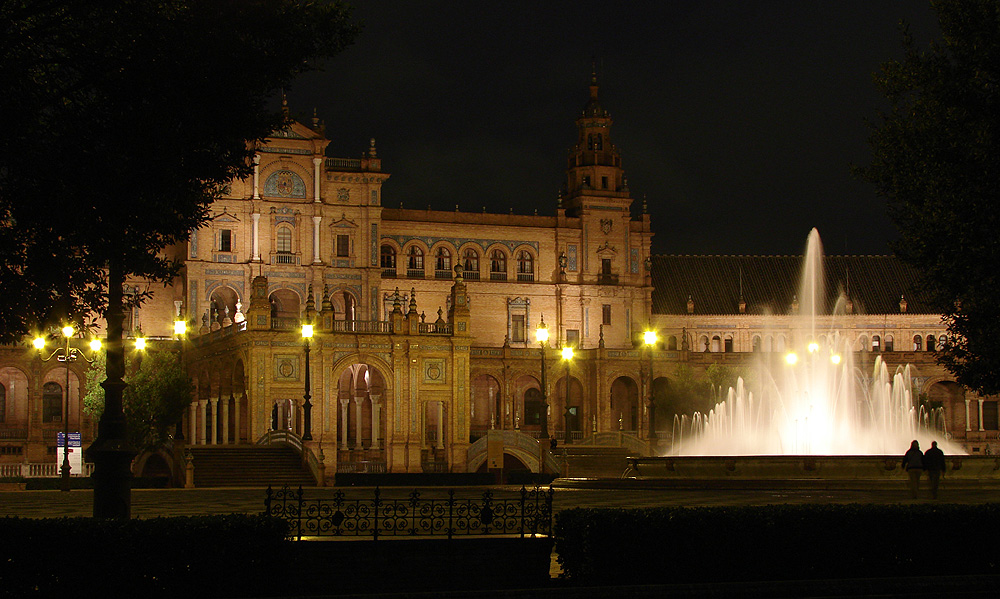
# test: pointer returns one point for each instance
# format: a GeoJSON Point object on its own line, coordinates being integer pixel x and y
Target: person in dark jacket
{"type": "Point", "coordinates": [934, 464]}
{"type": "Point", "coordinates": [913, 463]}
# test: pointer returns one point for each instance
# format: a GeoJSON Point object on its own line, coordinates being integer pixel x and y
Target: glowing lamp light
{"type": "Point", "coordinates": [649, 338]}
{"type": "Point", "coordinates": [180, 327]}
{"type": "Point", "coordinates": [95, 345]}
{"type": "Point", "coordinates": [542, 333]}
{"type": "Point", "coordinates": [567, 353]}
{"type": "Point", "coordinates": [813, 347]}
{"type": "Point", "coordinates": [791, 358]}
{"type": "Point", "coordinates": [835, 358]}
{"type": "Point", "coordinates": [307, 331]}
{"type": "Point", "coordinates": [38, 342]}
{"type": "Point", "coordinates": [140, 343]}
{"type": "Point", "coordinates": [67, 331]}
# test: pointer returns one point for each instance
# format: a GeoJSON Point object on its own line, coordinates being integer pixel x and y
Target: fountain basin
{"type": "Point", "coordinates": [971, 469]}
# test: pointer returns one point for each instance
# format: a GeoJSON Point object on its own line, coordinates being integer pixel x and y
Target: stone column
{"type": "Point", "coordinates": [440, 427]}
{"type": "Point", "coordinates": [225, 420]}
{"type": "Point", "coordinates": [237, 401]}
{"type": "Point", "coordinates": [193, 423]}
{"type": "Point", "coordinates": [316, 221]}
{"type": "Point", "coordinates": [203, 404]}
{"type": "Point", "coordinates": [343, 422]}
{"type": "Point", "coordinates": [255, 231]}
{"type": "Point", "coordinates": [256, 176]}
{"type": "Point", "coordinates": [357, 427]}
{"type": "Point", "coordinates": [376, 416]}
{"type": "Point", "coordinates": [215, 420]}
{"type": "Point", "coordinates": [968, 427]}
{"type": "Point", "coordinates": [981, 414]}
{"type": "Point", "coordinates": [317, 162]}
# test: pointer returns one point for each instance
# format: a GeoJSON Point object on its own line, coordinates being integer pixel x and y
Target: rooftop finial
{"type": "Point", "coordinates": [284, 103]}
{"type": "Point", "coordinates": [315, 119]}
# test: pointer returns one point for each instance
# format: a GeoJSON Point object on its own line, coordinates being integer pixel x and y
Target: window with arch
{"type": "Point", "coordinates": [525, 266]}
{"type": "Point", "coordinates": [889, 343]}
{"type": "Point", "coordinates": [727, 344]}
{"type": "Point", "coordinates": [283, 246]}
{"type": "Point", "coordinates": [52, 401]}
{"type": "Point", "coordinates": [442, 263]}
{"type": "Point", "coordinates": [415, 262]}
{"type": "Point", "coordinates": [387, 259]}
{"type": "Point", "coordinates": [863, 343]}
{"type": "Point", "coordinates": [755, 343]}
{"type": "Point", "coordinates": [931, 343]}
{"type": "Point", "coordinates": [876, 343]}
{"type": "Point", "coordinates": [470, 263]}
{"type": "Point", "coordinates": [716, 344]}
{"type": "Point", "coordinates": [918, 343]}
{"type": "Point", "coordinates": [703, 343]}
{"type": "Point", "coordinates": [498, 266]}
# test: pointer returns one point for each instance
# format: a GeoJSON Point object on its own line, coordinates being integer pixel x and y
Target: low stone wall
{"type": "Point", "coordinates": [962, 468]}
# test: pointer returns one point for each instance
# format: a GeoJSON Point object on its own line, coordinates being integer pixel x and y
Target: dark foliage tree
{"type": "Point", "coordinates": [936, 160]}
{"type": "Point", "coordinates": [124, 119]}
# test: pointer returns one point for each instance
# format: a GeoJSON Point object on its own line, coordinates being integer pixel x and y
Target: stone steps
{"type": "Point", "coordinates": [249, 466]}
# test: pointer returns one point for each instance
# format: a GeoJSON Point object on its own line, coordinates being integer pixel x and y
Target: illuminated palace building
{"type": "Point", "coordinates": [424, 354]}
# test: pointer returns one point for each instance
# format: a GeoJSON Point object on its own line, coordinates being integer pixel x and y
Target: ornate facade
{"type": "Point", "coordinates": [425, 321]}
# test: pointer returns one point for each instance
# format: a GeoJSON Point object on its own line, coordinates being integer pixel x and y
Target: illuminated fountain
{"type": "Point", "coordinates": [813, 399]}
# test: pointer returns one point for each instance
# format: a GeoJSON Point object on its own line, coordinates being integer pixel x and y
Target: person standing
{"type": "Point", "coordinates": [934, 464]}
{"type": "Point", "coordinates": [913, 463]}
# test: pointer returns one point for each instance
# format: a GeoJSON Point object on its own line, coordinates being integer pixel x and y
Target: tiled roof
{"type": "Point", "coordinates": [769, 284]}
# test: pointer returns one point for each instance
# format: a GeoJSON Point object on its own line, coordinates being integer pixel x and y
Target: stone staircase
{"type": "Point", "coordinates": [249, 466]}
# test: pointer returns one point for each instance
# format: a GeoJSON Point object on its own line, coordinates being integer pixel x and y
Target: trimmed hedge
{"type": "Point", "coordinates": [780, 542]}
{"type": "Point", "coordinates": [207, 556]}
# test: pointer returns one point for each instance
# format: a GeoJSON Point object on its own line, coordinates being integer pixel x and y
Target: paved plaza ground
{"type": "Point", "coordinates": [151, 503]}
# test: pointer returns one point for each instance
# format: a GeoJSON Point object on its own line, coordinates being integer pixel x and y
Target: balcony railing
{"type": "Point", "coordinates": [525, 276]}
{"type": "Point", "coordinates": [389, 273]}
{"type": "Point", "coordinates": [282, 258]}
{"type": "Point", "coordinates": [362, 326]}
{"type": "Point", "coordinates": [471, 275]}
{"type": "Point", "coordinates": [433, 328]}
{"type": "Point", "coordinates": [414, 273]}
{"type": "Point", "coordinates": [442, 274]}
{"type": "Point", "coordinates": [13, 434]}
{"type": "Point", "coordinates": [498, 276]}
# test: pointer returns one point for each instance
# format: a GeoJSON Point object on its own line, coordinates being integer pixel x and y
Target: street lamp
{"type": "Point", "coordinates": [65, 354]}
{"type": "Point", "coordinates": [307, 333]}
{"type": "Point", "coordinates": [649, 338]}
{"type": "Point", "coordinates": [567, 354]}
{"type": "Point", "coordinates": [542, 334]}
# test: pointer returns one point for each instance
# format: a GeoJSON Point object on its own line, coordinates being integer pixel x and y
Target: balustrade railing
{"type": "Point", "coordinates": [436, 328]}
{"type": "Point", "coordinates": [40, 470]}
{"type": "Point", "coordinates": [528, 515]}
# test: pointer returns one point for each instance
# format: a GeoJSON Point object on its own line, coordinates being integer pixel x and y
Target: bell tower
{"type": "Point", "coordinates": [594, 168]}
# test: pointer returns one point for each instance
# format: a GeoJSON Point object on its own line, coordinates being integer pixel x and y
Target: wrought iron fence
{"type": "Point", "coordinates": [530, 514]}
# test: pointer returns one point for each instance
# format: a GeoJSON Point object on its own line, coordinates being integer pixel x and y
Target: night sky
{"type": "Point", "coordinates": [738, 120]}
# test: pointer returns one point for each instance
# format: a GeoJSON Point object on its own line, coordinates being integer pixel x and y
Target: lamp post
{"type": "Point", "coordinates": [180, 329]}
{"type": "Point", "coordinates": [567, 354]}
{"type": "Point", "coordinates": [307, 333]}
{"type": "Point", "coordinates": [542, 334]}
{"type": "Point", "coordinates": [65, 354]}
{"type": "Point", "coordinates": [649, 338]}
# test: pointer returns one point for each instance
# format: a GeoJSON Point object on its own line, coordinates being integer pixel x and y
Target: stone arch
{"type": "Point", "coordinates": [285, 303]}
{"type": "Point", "coordinates": [486, 405]}
{"type": "Point", "coordinates": [222, 300]}
{"type": "Point", "coordinates": [361, 406]}
{"type": "Point", "coordinates": [569, 410]}
{"type": "Point", "coordinates": [529, 406]}
{"type": "Point", "coordinates": [16, 397]}
{"type": "Point", "coordinates": [624, 404]}
{"type": "Point", "coordinates": [950, 395]}
{"type": "Point", "coordinates": [55, 378]}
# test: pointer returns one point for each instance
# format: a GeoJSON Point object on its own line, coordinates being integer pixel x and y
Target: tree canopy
{"type": "Point", "coordinates": [158, 392]}
{"type": "Point", "coordinates": [124, 119]}
{"type": "Point", "coordinates": [936, 161]}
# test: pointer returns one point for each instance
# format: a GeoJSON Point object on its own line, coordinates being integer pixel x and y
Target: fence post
{"type": "Point", "coordinates": [298, 513]}
{"type": "Point", "coordinates": [524, 496]}
{"type": "Point", "coordinates": [451, 511]}
{"type": "Point", "coordinates": [375, 505]}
